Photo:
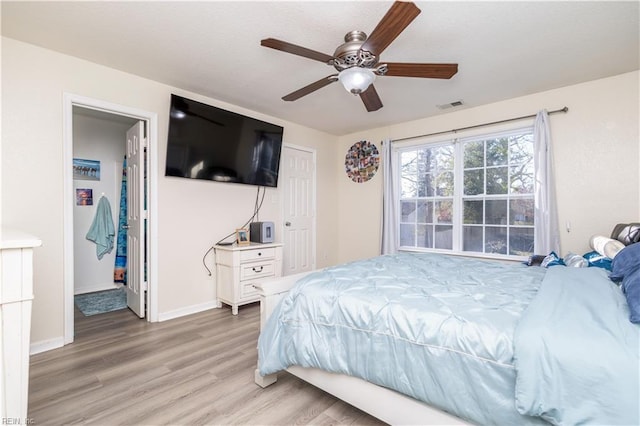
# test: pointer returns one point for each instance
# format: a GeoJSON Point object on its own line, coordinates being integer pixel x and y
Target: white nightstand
{"type": "Point", "coordinates": [238, 268]}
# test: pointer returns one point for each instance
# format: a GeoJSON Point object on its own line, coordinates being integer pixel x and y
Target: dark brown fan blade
{"type": "Point", "coordinates": [296, 50]}
{"type": "Point", "coordinates": [399, 69]}
{"type": "Point", "coordinates": [371, 99]}
{"type": "Point", "coordinates": [311, 88]}
{"type": "Point", "coordinates": [398, 17]}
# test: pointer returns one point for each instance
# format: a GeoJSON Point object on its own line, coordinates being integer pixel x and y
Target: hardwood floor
{"type": "Point", "coordinates": [193, 370]}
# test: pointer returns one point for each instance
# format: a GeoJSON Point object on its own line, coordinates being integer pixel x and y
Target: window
{"type": "Point", "coordinates": [469, 195]}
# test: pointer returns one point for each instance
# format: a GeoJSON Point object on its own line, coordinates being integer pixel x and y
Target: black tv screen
{"type": "Point", "coordinates": [210, 143]}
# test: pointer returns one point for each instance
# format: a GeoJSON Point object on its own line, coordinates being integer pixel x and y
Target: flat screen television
{"type": "Point", "coordinates": [213, 144]}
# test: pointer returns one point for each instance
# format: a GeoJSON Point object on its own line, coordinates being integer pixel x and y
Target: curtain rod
{"type": "Point", "coordinates": [565, 109]}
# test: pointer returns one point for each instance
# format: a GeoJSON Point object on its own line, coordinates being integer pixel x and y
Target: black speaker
{"type": "Point", "coordinates": [261, 232]}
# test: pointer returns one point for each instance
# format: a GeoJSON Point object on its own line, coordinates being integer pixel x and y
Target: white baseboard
{"type": "Point", "coordinates": [46, 345]}
{"type": "Point", "coordinates": [94, 288]}
{"type": "Point", "coordinates": [193, 309]}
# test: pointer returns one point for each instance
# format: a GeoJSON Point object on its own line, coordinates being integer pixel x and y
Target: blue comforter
{"type": "Point", "coordinates": [438, 328]}
{"type": "Point", "coordinates": [493, 343]}
{"type": "Point", "coordinates": [576, 353]}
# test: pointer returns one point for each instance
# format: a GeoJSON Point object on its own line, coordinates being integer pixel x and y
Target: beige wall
{"type": "Point", "coordinates": [192, 215]}
{"type": "Point", "coordinates": [596, 149]}
{"type": "Point", "coordinates": [597, 184]}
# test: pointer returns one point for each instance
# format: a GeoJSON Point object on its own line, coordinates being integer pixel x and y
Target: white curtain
{"type": "Point", "coordinates": [547, 234]}
{"type": "Point", "coordinates": [389, 201]}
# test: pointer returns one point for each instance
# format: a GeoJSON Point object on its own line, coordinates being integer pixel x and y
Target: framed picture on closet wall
{"type": "Point", "coordinates": [86, 169]}
{"type": "Point", "coordinates": [84, 197]}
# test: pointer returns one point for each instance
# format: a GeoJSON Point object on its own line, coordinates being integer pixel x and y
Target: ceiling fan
{"type": "Point", "coordinates": [357, 60]}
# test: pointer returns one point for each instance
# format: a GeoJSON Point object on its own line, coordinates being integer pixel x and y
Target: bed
{"type": "Point", "coordinates": [419, 338]}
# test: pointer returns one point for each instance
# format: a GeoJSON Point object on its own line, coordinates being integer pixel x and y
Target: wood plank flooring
{"type": "Point", "coordinates": [194, 370]}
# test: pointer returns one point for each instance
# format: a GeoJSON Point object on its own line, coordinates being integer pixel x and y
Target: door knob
{"type": "Point", "coordinates": [287, 224]}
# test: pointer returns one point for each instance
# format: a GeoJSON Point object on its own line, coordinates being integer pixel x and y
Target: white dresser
{"type": "Point", "coordinates": [238, 268]}
{"type": "Point", "coordinates": [16, 296]}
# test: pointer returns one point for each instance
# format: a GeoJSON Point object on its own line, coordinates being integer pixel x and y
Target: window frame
{"type": "Point", "coordinates": [457, 142]}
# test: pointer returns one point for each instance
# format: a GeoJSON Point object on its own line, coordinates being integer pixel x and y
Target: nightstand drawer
{"type": "Point", "coordinates": [257, 254]}
{"type": "Point", "coordinates": [248, 290]}
{"type": "Point", "coordinates": [256, 270]}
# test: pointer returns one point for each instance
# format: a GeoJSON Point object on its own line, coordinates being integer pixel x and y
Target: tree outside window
{"type": "Point", "coordinates": [491, 178]}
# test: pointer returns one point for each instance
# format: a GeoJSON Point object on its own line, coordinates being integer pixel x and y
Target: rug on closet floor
{"type": "Point", "coordinates": [101, 301]}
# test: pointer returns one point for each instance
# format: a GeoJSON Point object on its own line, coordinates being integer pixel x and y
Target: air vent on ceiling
{"type": "Point", "coordinates": [451, 105]}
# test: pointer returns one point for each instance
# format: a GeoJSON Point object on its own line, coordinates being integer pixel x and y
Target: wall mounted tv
{"type": "Point", "coordinates": [210, 143]}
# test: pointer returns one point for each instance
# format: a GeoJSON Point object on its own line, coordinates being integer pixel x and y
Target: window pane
{"type": "Point", "coordinates": [521, 212]}
{"type": "Point", "coordinates": [408, 187]}
{"type": "Point", "coordinates": [444, 156]}
{"type": "Point", "coordinates": [409, 161]}
{"type": "Point", "coordinates": [522, 179]}
{"type": "Point", "coordinates": [408, 211]}
{"type": "Point", "coordinates": [444, 184]}
{"type": "Point", "coordinates": [473, 154]}
{"type": "Point", "coordinates": [425, 185]}
{"type": "Point", "coordinates": [496, 212]}
{"type": "Point", "coordinates": [474, 211]}
{"type": "Point", "coordinates": [521, 149]}
{"type": "Point", "coordinates": [497, 152]}
{"type": "Point", "coordinates": [496, 239]}
{"type": "Point", "coordinates": [497, 180]}
{"type": "Point", "coordinates": [425, 236]}
{"type": "Point", "coordinates": [472, 238]}
{"type": "Point", "coordinates": [444, 237]}
{"type": "Point", "coordinates": [407, 235]}
{"type": "Point", "coordinates": [473, 182]}
{"type": "Point", "coordinates": [426, 160]}
{"type": "Point", "coordinates": [444, 211]}
{"type": "Point", "coordinates": [425, 211]}
{"type": "Point", "coordinates": [521, 241]}
{"type": "Point", "coordinates": [409, 174]}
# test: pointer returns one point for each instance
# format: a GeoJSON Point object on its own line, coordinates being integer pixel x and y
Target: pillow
{"type": "Point", "coordinates": [626, 233]}
{"type": "Point", "coordinates": [597, 260]}
{"type": "Point", "coordinates": [551, 259]}
{"type": "Point", "coordinates": [606, 246]}
{"type": "Point", "coordinates": [625, 262]}
{"type": "Point", "coordinates": [626, 268]}
{"type": "Point", "coordinates": [631, 287]}
{"type": "Point", "coordinates": [573, 260]}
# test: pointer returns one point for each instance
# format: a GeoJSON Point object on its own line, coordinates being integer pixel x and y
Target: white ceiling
{"type": "Point", "coordinates": [504, 50]}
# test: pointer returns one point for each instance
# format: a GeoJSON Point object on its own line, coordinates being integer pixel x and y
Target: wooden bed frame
{"type": "Point", "coordinates": [385, 404]}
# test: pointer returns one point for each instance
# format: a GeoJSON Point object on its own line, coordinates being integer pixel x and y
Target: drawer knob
{"type": "Point", "coordinates": [259, 254]}
{"type": "Point", "coordinates": [257, 270]}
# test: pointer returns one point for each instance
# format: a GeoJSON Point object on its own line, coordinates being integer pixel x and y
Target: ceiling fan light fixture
{"type": "Point", "coordinates": [356, 79]}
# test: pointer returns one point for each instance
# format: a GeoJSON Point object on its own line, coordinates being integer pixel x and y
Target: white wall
{"type": "Point", "coordinates": [103, 139]}
{"type": "Point", "coordinates": [595, 145]}
{"type": "Point", "coordinates": [192, 214]}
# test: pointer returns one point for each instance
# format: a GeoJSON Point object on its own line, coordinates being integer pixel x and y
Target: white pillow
{"type": "Point", "coordinates": [606, 246]}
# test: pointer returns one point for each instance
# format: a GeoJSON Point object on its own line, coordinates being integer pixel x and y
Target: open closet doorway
{"type": "Point", "coordinates": [111, 160]}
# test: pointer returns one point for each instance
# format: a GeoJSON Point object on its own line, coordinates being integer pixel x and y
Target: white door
{"type": "Point", "coordinates": [298, 178]}
{"type": "Point", "coordinates": [136, 214]}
